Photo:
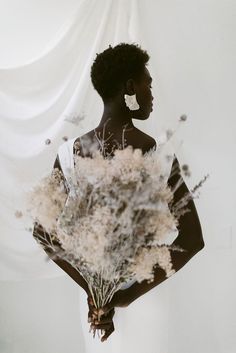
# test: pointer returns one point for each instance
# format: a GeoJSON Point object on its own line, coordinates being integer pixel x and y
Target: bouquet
{"type": "Point", "coordinates": [113, 224]}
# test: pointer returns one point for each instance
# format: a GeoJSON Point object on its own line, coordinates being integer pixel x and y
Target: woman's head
{"type": "Point", "coordinates": [122, 70]}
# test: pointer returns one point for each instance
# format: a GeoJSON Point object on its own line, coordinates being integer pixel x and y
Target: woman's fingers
{"type": "Point", "coordinates": [102, 326]}
{"type": "Point", "coordinates": [103, 322]}
{"type": "Point", "coordinates": [92, 314]}
{"type": "Point", "coordinates": [108, 316]}
{"type": "Point", "coordinates": [108, 332]}
{"type": "Point", "coordinates": [105, 318]}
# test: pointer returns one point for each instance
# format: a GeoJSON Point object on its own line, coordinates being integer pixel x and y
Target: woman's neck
{"type": "Point", "coordinates": [116, 115]}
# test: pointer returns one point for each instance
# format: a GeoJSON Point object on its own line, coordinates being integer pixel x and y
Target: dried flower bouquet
{"type": "Point", "coordinates": [112, 225]}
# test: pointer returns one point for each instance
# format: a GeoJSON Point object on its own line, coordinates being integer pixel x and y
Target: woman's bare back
{"type": "Point", "coordinates": [113, 139]}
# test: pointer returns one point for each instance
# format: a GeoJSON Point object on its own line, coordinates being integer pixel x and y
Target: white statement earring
{"type": "Point", "coordinates": [131, 102]}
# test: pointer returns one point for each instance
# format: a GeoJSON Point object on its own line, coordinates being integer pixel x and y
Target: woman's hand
{"type": "Point", "coordinates": [105, 323]}
{"type": "Point", "coordinates": [101, 318]}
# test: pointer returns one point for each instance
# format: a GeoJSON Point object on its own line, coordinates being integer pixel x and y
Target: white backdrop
{"type": "Point", "coordinates": [47, 48]}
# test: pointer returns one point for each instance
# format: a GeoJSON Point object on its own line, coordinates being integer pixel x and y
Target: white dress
{"type": "Point", "coordinates": [142, 327]}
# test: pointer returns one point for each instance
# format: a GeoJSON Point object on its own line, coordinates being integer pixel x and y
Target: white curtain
{"type": "Point", "coordinates": [47, 49]}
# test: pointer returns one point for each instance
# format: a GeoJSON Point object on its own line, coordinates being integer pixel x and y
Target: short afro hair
{"type": "Point", "coordinates": [115, 65]}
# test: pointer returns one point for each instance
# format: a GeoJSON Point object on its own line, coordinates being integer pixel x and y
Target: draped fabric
{"type": "Point", "coordinates": [46, 96]}
{"type": "Point", "coordinates": [42, 101]}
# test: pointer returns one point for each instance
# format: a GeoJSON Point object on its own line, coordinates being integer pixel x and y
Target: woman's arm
{"type": "Point", "coordinates": [188, 223]}
{"type": "Point", "coordinates": [38, 231]}
{"type": "Point", "coordinates": [190, 238]}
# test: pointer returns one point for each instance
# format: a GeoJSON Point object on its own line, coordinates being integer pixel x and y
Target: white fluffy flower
{"type": "Point", "coordinates": [144, 262]}
{"type": "Point", "coordinates": [115, 217]}
{"type": "Point", "coordinates": [46, 201]}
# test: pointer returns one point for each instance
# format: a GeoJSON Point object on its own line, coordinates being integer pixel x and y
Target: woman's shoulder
{"type": "Point", "coordinates": [147, 140]}
{"type": "Point", "coordinates": [136, 137]}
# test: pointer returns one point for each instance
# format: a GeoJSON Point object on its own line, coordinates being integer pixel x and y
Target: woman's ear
{"type": "Point", "coordinates": [130, 87]}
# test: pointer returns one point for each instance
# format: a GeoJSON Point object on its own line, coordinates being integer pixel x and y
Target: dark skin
{"type": "Point", "coordinates": [116, 120]}
{"type": "Point", "coordinates": [190, 234]}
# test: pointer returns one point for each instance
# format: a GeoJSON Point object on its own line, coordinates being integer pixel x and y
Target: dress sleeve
{"type": "Point", "coordinates": [57, 165]}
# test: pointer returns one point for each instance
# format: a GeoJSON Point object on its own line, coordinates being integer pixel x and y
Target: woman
{"type": "Point", "coordinates": [121, 78]}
